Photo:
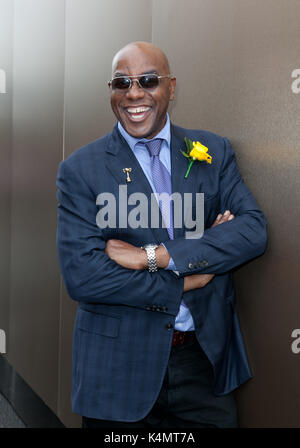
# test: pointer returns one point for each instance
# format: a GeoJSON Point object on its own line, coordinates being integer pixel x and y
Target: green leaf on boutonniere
{"type": "Point", "coordinates": [189, 144]}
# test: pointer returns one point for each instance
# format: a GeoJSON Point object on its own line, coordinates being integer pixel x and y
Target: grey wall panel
{"type": "Point", "coordinates": [94, 32]}
{"type": "Point", "coordinates": [37, 148]}
{"type": "Point", "coordinates": [233, 62]}
{"type": "Point", "coordinates": [6, 30]}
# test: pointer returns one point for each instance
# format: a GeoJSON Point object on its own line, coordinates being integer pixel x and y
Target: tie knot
{"type": "Point", "coordinates": [154, 146]}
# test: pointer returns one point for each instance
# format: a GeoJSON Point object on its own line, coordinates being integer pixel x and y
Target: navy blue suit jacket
{"type": "Point", "coordinates": [125, 318]}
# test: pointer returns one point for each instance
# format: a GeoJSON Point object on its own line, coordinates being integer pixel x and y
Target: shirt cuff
{"type": "Point", "coordinates": [171, 266]}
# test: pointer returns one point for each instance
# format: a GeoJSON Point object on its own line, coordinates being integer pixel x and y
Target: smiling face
{"type": "Point", "coordinates": [141, 112]}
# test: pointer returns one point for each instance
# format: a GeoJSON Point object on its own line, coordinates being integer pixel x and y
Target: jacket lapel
{"type": "Point", "coordinates": [179, 165]}
{"type": "Point", "coordinates": [121, 156]}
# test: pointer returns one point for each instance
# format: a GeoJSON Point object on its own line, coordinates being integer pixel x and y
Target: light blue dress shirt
{"type": "Point", "coordinates": [184, 320]}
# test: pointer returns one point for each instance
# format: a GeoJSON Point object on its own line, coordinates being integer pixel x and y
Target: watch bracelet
{"type": "Point", "coordinates": [152, 266]}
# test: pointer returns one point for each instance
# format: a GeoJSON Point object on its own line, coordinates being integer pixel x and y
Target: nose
{"type": "Point", "coordinates": [135, 90]}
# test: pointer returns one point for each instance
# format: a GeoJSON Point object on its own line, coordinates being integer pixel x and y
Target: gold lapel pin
{"type": "Point", "coordinates": [127, 171]}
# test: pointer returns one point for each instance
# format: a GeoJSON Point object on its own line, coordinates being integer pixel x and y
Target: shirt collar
{"type": "Point", "coordinates": [164, 134]}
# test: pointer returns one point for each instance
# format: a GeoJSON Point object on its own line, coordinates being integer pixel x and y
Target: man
{"type": "Point", "coordinates": [157, 341]}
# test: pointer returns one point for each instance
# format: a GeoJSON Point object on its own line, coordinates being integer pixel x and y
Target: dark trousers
{"type": "Point", "coordinates": [186, 398]}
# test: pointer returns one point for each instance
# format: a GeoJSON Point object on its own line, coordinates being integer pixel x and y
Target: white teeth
{"type": "Point", "coordinates": [137, 110]}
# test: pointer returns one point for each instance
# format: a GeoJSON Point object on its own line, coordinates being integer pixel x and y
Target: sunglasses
{"type": "Point", "coordinates": [147, 81]}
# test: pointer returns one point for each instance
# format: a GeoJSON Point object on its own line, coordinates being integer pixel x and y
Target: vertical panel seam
{"type": "Point", "coordinates": [59, 355]}
{"type": "Point", "coordinates": [11, 179]}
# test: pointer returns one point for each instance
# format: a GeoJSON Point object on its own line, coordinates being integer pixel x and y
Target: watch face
{"type": "Point", "coordinates": [150, 246]}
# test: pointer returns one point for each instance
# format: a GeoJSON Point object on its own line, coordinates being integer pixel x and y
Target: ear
{"type": "Point", "coordinates": [172, 86]}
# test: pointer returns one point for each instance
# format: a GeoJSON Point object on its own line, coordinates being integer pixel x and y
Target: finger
{"type": "Point", "coordinates": [216, 221]}
{"type": "Point", "coordinates": [231, 217]}
{"type": "Point", "coordinates": [225, 217]}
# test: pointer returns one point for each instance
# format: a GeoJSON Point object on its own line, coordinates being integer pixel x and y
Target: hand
{"type": "Point", "coordinates": [220, 219]}
{"type": "Point", "coordinates": [196, 281]}
{"type": "Point", "coordinates": [200, 280]}
{"type": "Point", "coordinates": [126, 255]}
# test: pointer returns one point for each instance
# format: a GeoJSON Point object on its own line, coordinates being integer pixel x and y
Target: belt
{"type": "Point", "coordinates": [182, 337]}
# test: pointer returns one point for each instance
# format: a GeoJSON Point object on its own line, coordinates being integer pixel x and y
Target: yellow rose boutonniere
{"type": "Point", "coordinates": [195, 151]}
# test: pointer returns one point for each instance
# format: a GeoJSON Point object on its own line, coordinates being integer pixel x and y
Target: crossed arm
{"type": "Point", "coordinates": [96, 270]}
{"type": "Point", "coordinates": [132, 257]}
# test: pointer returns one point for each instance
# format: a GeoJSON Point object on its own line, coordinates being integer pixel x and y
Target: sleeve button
{"type": "Point", "coordinates": [169, 326]}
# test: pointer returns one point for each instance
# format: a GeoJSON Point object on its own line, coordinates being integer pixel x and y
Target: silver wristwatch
{"type": "Point", "coordinates": [150, 251]}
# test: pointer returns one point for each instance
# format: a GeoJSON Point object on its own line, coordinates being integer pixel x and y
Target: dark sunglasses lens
{"type": "Point", "coordinates": [120, 83]}
{"type": "Point", "coordinates": [149, 81]}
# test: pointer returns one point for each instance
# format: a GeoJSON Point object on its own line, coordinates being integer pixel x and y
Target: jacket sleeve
{"type": "Point", "coordinates": [89, 274]}
{"type": "Point", "coordinates": [224, 247]}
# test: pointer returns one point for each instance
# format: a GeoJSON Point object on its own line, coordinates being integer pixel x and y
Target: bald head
{"type": "Point", "coordinates": [141, 108]}
{"type": "Point", "coordinates": [145, 49]}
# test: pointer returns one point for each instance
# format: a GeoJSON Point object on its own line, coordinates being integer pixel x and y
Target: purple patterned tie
{"type": "Point", "coordinates": [162, 182]}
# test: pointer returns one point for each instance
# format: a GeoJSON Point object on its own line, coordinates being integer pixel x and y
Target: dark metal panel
{"type": "Point", "coordinates": [233, 62]}
{"type": "Point", "coordinates": [27, 405]}
{"type": "Point", "coordinates": [38, 77]}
